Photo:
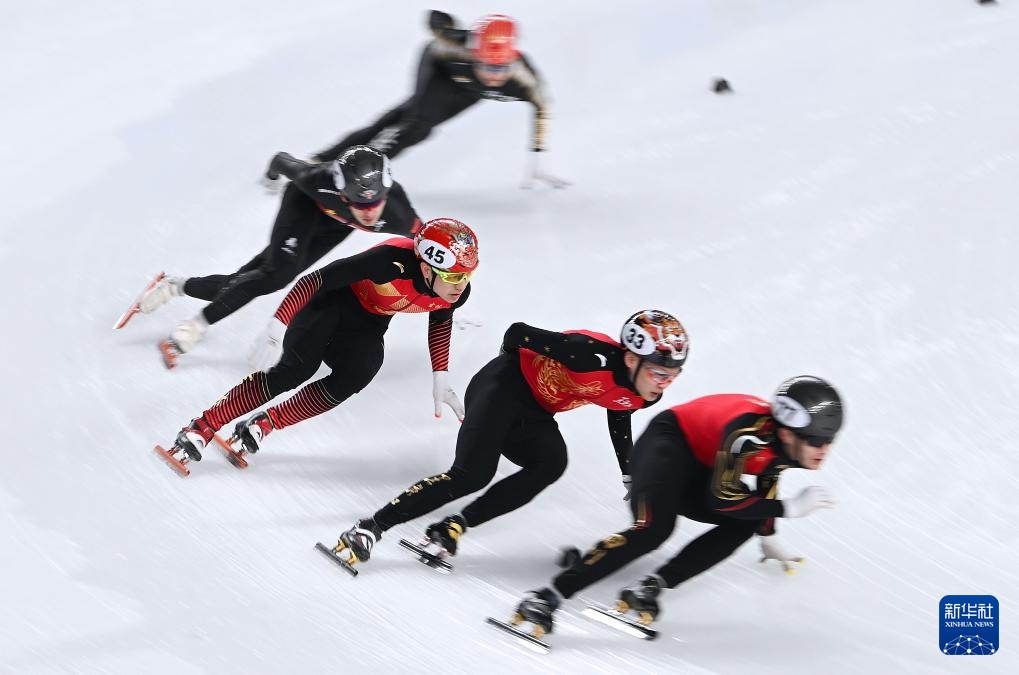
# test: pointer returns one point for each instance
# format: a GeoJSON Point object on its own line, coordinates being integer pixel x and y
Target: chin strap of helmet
{"type": "Point", "coordinates": [787, 450]}
{"type": "Point", "coordinates": [636, 371]}
{"type": "Point", "coordinates": [430, 284]}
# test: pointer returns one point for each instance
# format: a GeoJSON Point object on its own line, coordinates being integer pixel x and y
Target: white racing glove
{"type": "Point", "coordinates": [809, 500]}
{"type": "Point", "coordinates": [535, 173]}
{"type": "Point", "coordinates": [627, 485]}
{"type": "Point", "coordinates": [267, 348]}
{"type": "Point", "coordinates": [771, 549]}
{"type": "Point", "coordinates": [443, 393]}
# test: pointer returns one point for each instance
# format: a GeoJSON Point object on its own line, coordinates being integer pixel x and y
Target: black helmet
{"type": "Point", "coordinates": [810, 407]}
{"type": "Point", "coordinates": [362, 174]}
{"type": "Point", "coordinates": [657, 337]}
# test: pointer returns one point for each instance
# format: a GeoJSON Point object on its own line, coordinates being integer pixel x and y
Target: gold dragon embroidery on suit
{"type": "Point", "coordinates": [554, 384]}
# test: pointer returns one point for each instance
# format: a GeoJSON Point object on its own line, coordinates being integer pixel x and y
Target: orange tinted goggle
{"type": "Point", "coordinates": [452, 277]}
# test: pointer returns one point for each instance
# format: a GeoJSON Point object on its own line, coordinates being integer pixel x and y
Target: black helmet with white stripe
{"type": "Point", "coordinates": [362, 175]}
{"type": "Point", "coordinates": [809, 407]}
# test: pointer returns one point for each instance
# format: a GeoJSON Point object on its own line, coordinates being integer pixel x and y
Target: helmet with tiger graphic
{"type": "Point", "coordinates": [449, 247]}
{"type": "Point", "coordinates": [657, 337]}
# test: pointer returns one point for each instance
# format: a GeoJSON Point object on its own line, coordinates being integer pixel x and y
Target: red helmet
{"type": "Point", "coordinates": [447, 245]}
{"type": "Point", "coordinates": [493, 39]}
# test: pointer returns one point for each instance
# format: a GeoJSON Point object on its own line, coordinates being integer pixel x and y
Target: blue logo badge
{"type": "Point", "coordinates": [969, 625]}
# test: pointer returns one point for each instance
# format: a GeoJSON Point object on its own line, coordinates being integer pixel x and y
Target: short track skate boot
{"type": "Point", "coordinates": [161, 293]}
{"type": "Point", "coordinates": [568, 557]}
{"type": "Point", "coordinates": [251, 432]}
{"type": "Point", "coordinates": [359, 540]}
{"type": "Point", "coordinates": [278, 163]}
{"type": "Point", "coordinates": [642, 599]}
{"type": "Point", "coordinates": [447, 532]}
{"type": "Point", "coordinates": [193, 438]}
{"type": "Point", "coordinates": [538, 608]}
{"type": "Point", "coordinates": [183, 339]}
{"type": "Point", "coordinates": [355, 545]}
{"type": "Point", "coordinates": [281, 165]}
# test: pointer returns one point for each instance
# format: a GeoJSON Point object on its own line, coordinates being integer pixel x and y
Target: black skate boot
{"type": "Point", "coordinates": [446, 533]}
{"type": "Point", "coordinates": [193, 438]}
{"type": "Point", "coordinates": [538, 608]}
{"type": "Point", "coordinates": [279, 161]}
{"type": "Point", "coordinates": [568, 557]}
{"type": "Point", "coordinates": [641, 598]}
{"type": "Point", "coordinates": [359, 540]}
{"type": "Point", "coordinates": [251, 431]}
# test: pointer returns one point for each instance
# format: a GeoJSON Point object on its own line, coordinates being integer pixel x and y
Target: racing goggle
{"type": "Point", "coordinates": [493, 68]}
{"type": "Point", "coordinates": [815, 441]}
{"type": "Point", "coordinates": [452, 277]}
{"type": "Point", "coordinates": [364, 206]}
{"type": "Point", "coordinates": [660, 375]}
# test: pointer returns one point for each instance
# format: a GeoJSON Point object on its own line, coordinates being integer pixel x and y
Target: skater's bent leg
{"type": "Point", "coordinates": [490, 412]}
{"type": "Point", "coordinates": [279, 264]}
{"type": "Point", "coordinates": [245, 287]}
{"type": "Point", "coordinates": [707, 550]}
{"type": "Point", "coordinates": [302, 353]}
{"type": "Point", "coordinates": [208, 287]}
{"type": "Point", "coordinates": [362, 136]}
{"type": "Point", "coordinates": [477, 459]}
{"type": "Point", "coordinates": [350, 375]}
{"type": "Point", "coordinates": [205, 288]}
{"type": "Point", "coordinates": [252, 392]}
{"type": "Point", "coordinates": [654, 520]}
{"type": "Point", "coordinates": [542, 455]}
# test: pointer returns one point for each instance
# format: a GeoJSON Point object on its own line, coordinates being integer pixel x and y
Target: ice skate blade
{"type": "Point", "coordinates": [524, 638]}
{"type": "Point", "coordinates": [235, 457]}
{"type": "Point", "coordinates": [620, 622]}
{"type": "Point", "coordinates": [428, 558]}
{"type": "Point", "coordinates": [170, 353]}
{"type": "Point", "coordinates": [328, 552]}
{"type": "Point", "coordinates": [175, 464]}
{"type": "Point", "coordinates": [135, 307]}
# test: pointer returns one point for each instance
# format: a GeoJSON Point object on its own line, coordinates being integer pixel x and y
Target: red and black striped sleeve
{"type": "Point", "coordinates": [440, 330]}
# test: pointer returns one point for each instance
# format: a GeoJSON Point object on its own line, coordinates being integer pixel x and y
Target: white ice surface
{"type": "Point", "coordinates": [849, 211]}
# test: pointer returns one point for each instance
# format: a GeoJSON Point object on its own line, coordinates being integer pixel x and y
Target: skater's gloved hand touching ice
{"type": "Point", "coordinates": [443, 393]}
{"type": "Point", "coordinates": [267, 348]}
{"type": "Point", "coordinates": [535, 173]}
{"type": "Point", "coordinates": [772, 549]}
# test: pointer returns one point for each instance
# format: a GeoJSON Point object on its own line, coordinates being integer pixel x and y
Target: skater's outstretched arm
{"type": "Point", "coordinates": [621, 433]}
{"type": "Point", "coordinates": [528, 78]}
{"type": "Point", "coordinates": [440, 328]}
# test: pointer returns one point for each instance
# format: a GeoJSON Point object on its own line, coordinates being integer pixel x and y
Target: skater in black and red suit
{"type": "Point", "coordinates": [689, 462]}
{"type": "Point", "coordinates": [511, 405]}
{"type": "Point", "coordinates": [338, 315]}
{"type": "Point", "coordinates": [457, 69]}
{"type": "Point", "coordinates": [322, 206]}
